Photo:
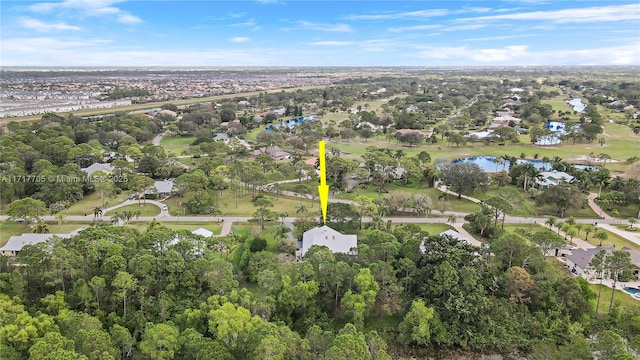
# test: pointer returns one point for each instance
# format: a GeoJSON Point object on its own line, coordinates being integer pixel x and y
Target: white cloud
{"type": "Point", "coordinates": [236, 15]}
{"type": "Point", "coordinates": [630, 12]}
{"type": "Point", "coordinates": [497, 38]}
{"type": "Point", "coordinates": [128, 19]}
{"type": "Point", "coordinates": [464, 27]}
{"type": "Point", "coordinates": [88, 8]}
{"type": "Point", "coordinates": [414, 28]}
{"type": "Point", "coordinates": [41, 26]}
{"type": "Point", "coordinates": [487, 55]}
{"type": "Point", "coordinates": [418, 14]}
{"type": "Point", "coordinates": [522, 55]}
{"type": "Point", "coordinates": [239, 39]}
{"type": "Point", "coordinates": [324, 27]}
{"type": "Point", "coordinates": [248, 23]}
{"type": "Point", "coordinates": [331, 43]}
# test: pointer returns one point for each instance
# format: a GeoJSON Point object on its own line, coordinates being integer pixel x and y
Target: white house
{"type": "Point", "coordinates": [17, 242]}
{"type": "Point", "coordinates": [203, 232]}
{"type": "Point", "coordinates": [552, 178]}
{"type": "Point", "coordinates": [326, 236]}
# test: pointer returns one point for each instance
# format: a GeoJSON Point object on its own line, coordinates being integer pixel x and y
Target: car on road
{"type": "Point", "coordinates": [164, 208]}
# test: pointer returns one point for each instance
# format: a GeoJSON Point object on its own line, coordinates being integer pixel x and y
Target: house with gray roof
{"type": "Point", "coordinates": [161, 189]}
{"type": "Point", "coordinates": [15, 243]}
{"type": "Point", "coordinates": [579, 259]}
{"type": "Point", "coordinates": [326, 236]}
{"type": "Point", "coordinates": [274, 151]}
{"type": "Point", "coordinates": [91, 169]}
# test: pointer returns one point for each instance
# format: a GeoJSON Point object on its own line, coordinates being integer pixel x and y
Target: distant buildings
{"type": "Point", "coordinates": [290, 123]}
{"type": "Point", "coordinates": [274, 151]}
{"type": "Point", "coordinates": [326, 236]}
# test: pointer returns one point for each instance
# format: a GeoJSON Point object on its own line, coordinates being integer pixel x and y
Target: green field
{"type": "Point", "coordinates": [245, 207]}
{"type": "Point", "coordinates": [625, 300]}
{"type": "Point", "coordinates": [619, 145]}
{"type": "Point", "coordinates": [618, 241]}
{"type": "Point", "coordinates": [90, 202]}
{"type": "Point", "coordinates": [176, 145]}
{"type": "Point", "coordinates": [211, 226]}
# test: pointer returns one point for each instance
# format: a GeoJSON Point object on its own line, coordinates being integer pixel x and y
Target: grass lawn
{"type": "Point", "coordinates": [213, 227]}
{"type": "Point", "coordinates": [91, 201]}
{"type": "Point", "coordinates": [145, 209]}
{"type": "Point", "coordinates": [432, 229]}
{"type": "Point", "coordinates": [528, 227]}
{"type": "Point", "coordinates": [245, 206]}
{"type": "Point", "coordinates": [625, 300]}
{"type": "Point", "coordinates": [177, 145]}
{"type": "Point", "coordinates": [521, 202]}
{"type": "Point", "coordinates": [613, 239]}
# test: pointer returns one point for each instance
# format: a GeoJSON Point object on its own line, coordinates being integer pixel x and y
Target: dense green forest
{"type": "Point", "coordinates": [113, 292]}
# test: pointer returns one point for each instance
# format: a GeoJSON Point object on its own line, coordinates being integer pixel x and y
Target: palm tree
{"type": "Point", "coordinates": [97, 211]}
{"type": "Point", "coordinates": [545, 161]}
{"type": "Point", "coordinates": [41, 228]}
{"type": "Point", "coordinates": [579, 227]}
{"type": "Point", "coordinates": [376, 222]}
{"type": "Point", "coordinates": [587, 229]}
{"type": "Point", "coordinates": [598, 265]}
{"type": "Point", "coordinates": [601, 235]}
{"type": "Point", "coordinates": [632, 221]}
{"type": "Point", "coordinates": [530, 172]}
{"type": "Point", "coordinates": [282, 216]}
{"type": "Point", "coordinates": [571, 232]}
{"type": "Point", "coordinates": [571, 221]}
{"type": "Point", "coordinates": [565, 228]}
{"type": "Point", "coordinates": [551, 222]}
{"type": "Point", "coordinates": [61, 217]}
{"type": "Point", "coordinates": [137, 214]}
{"type": "Point", "coordinates": [115, 218]}
{"type": "Point", "coordinates": [301, 209]}
{"type": "Point", "coordinates": [559, 225]}
{"type": "Point", "coordinates": [451, 219]}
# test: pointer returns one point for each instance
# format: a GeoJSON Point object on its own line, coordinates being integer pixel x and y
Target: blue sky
{"type": "Point", "coordinates": [319, 33]}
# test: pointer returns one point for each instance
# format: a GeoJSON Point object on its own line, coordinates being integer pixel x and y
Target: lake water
{"type": "Point", "coordinates": [577, 104]}
{"type": "Point", "coordinates": [487, 165]}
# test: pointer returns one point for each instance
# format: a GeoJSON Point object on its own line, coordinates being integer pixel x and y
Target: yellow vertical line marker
{"type": "Point", "coordinates": [323, 188]}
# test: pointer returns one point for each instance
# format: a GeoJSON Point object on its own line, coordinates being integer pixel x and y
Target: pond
{"type": "Point", "coordinates": [577, 104]}
{"type": "Point", "coordinates": [487, 164]}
